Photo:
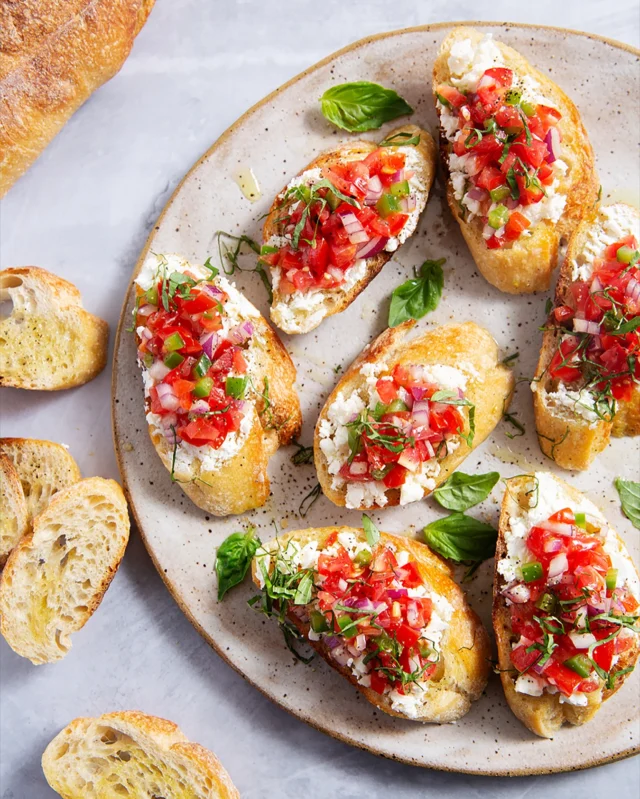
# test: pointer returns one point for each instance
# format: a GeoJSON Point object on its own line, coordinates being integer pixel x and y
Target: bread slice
{"type": "Point", "coordinates": [43, 467]}
{"type": "Point", "coordinates": [565, 435]}
{"type": "Point", "coordinates": [336, 300]}
{"type": "Point", "coordinates": [56, 576]}
{"type": "Point", "coordinates": [14, 516]}
{"type": "Point", "coordinates": [463, 667]}
{"type": "Point", "coordinates": [544, 715]}
{"type": "Point", "coordinates": [131, 754]}
{"type": "Point", "coordinates": [465, 346]}
{"type": "Point", "coordinates": [49, 341]}
{"type": "Point", "coordinates": [528, 263]}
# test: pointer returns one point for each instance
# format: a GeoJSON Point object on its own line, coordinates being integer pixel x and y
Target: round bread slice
{"type": "Point", "coordinates": [56, 576]}
{"type": "Point", "coordinates": [43, 467]}
{"type": "Point", "coordinates": [131, 754]}
{"type": "Point", "coordinates": [14, 517]}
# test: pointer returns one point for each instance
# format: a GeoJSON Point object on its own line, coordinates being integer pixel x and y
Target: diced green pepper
{"type": "Point", "coordinates": [148, 359]}
{"type": "Point", "coordinates": [498, 217]}
{"type": "Point", "coordinates": [425, 649]}
{"type": "Point", "coordinates": [499, 193]}
{"type": "Point", "coordinates": [443, 100]}
{"type": "Point", "coordinates": [333, 200]}
{"type": "Point", "coordinates": [624, 255]}
{"type": "Point", "coordinates": [580, 664]}
{"type": "Point", "coordinates": [581, 520]}
{"type": "Point", "coordinates": [203, 387]}
{"type": "Point", "coordinates": [379, 411]}
{"type": "Point", "coordinates": [512, 97]}
{"type": "Point", "coordinates": [547, 602]}
{"type": "Point", "coordinates": [396, 406]}
{"type": "Point", "coordinates": [266, 249]}
{"type": "Point", "coordinates": [529, 108]}
{"type": "Point", "coordinates": [531, 571]}
{"type": "Point", "coordinates": [348, 626]}
{"type": "Point", "coordinates": [387, 204]}
{"type": "Point", "coordinates": [318, 622]}
{"type": "Point", "coordinates": [173, 359]}
{"type": "Point", "coordinates": [173, 342]}
{"type": "Point", "coordinates": [235, 387]}
{"type": "Point", "coordinates": [151, 295]}
{"type": "Point", "coordinates": [203, 364]}
{"type": "Point", "coordinates": [363, 558]}
{"type": "Point", "coordinates": [400, 189]}
{"type": "Point", "coordinates": [611, 579]}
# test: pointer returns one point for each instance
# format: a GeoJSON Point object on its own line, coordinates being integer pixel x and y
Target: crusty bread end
{"type": "Point", "coordinates": [14, 516]}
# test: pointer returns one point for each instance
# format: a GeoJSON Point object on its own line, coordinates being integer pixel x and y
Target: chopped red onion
{"type": "Point", "coordinates": [633, 289]}
{"type": "Point", "coordinates": [332, 641]}
{"type": "Point", "coordinates": [361, 642]}
{"type": "Point", "coordinates": [398, 176]}
{"type": "Point", "coordinates": [200, 406]}
{"type": "Point", "coordinates": [511, 203]}
{"type": "Point", "coordinates": [408, 204]}
{"type": "Point", "coordinates": [559, 528]}
{"type": "Point", "coordinates": [358, 468]}
{"type": "Point", "coordinates": [371, 247]}
{"type": "Point", "coordinates": [241, 333]}
{"type": "Point", "coordinates": [558, 565]}
{"type": "Point", "coordinates": [168, 401]}
{"type": "Point", "coordinates": [214, 291]}
{"type": "Point", "coordinates": [518, 594]}
{"type": "Point", "coordinates": [146, 310]}
{"type": "Point", "coordinates": [586, 326]}
{"type": "Point", "coordinates": [418, 394]}
{"type": "Point", "coordinates": [409, 459]}
{"type": "Point", "coordinates": [396, 593]}
{"type": "Point", "coordinates": [478, 194]}
{"type": "Point", "coordinates": [353, 226]}
{"type": "Point", "coordinates": [374, 190]}
{"type": "Point", "coordinates": [552, 140]}
{"type": "Point", "coordinates": [146, 334]}
{"type": "Point", "coordinates": [158, 371]}
{"type": "Point", "coordinates": [596, 285]}
{"type": "Point", "coordinates": [336, 273]}
{"type": "Point", "coordinates": [209, 344]}
{"type": "Point", "coordinates": [412, 614]}
{"type": "Point", "coordinates": [582, 640]}
{"type": "Point", "coordinates": [554, 545]}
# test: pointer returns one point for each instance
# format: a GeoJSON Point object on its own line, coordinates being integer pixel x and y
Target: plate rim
{"type": "Point", "coordinates": [173, 591]}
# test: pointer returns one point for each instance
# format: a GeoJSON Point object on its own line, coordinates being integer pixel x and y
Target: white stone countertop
{"type": "Point", "coordinates": [84, 211]}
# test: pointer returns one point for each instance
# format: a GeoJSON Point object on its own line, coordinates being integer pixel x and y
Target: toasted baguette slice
{"type": "Point", "coordinates": [463, 665]}
{"type": "Point", "coordinates": [466, 347]}
{"type": "Point", "coordinates": [570, 437]}
{"type": "Point", "coordinates": [527, 264]}
{"type": "Point", "coordinates": [294, 313]}
{"type": "Point", "coordinates": [43, 467]}
{"type": "Point", "coordinates": [131, 754]}
{"type": "Point", "coordinates": [49, 341]}
{"type": "Point", "coordinates": [544, 715]}
{"type": "Point", "coordinates": [235, 480]}
{"type": "Point", "coordinates": [14, 516]}
{"type": "Point", "coordinates": [56, 576]}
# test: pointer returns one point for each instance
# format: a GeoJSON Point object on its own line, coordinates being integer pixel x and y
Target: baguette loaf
{"type": "Point", "coordinates": [134, 755]}
{"type": "Point", "coordinates": [43, 467]}
{"type": "Point", "coordinates": [14, 516]}
{"type": "Point", "coordinates": [56, 576]}
{"type": "Point", "coordinates": [53, 55]}
{"type": "Point", "coordinates": [49, 341]}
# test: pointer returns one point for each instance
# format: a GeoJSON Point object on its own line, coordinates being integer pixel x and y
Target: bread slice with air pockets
{"type": "Point", "coordinates": [14, 517]}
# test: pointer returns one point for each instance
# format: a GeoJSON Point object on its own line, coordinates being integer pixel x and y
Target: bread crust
{"type": "Point", "coordinates": [543, 715]}
{"type": "Point", "coordinates": [53, 57]}
{"type": "Point", "coordinates": [49, 341]}
{"type": "Point", "coordinates": [336, 300]}
{"type": "Point", "coordinates": [175, 766]}
{"type": "Point", "coordinates": [465, 654]}
{"type": "Point", "coordinates": [570, 440]}
{"type": "Point", "coordinates": [490, 391]}
{"type": "Point", "coordinates": [241, 483]}
{"type": "Point", "coordinates": [14, 516]}
{"type": "Point", "coordinates": [528, 264]}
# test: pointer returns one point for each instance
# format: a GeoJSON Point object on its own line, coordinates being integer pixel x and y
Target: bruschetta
{"type": "Point", "coordinates": [406, 414]}
{"type": "Point", "coordinates": [218, 383]}
{"type": "Point", "coordinates": [565, 610]}
{"type": "Point", "coordinates": [519, 162]}
{"type": "Point", "coordinates": [587, 384]}
{"type": "Point", "coordinates": [336, 224]}
{"type": "Point", "coordinates": [386, 614]}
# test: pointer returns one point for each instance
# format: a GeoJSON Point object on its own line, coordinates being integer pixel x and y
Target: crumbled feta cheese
{"type": "Point", "coordinates": [468, 62]}
{"type": "Point", "coordinates": [365, 495]}
{"type": "Point", "coordinates": [613, 223]}
{"type": "Point", "coordinates": [579, 699]}
{"type": "Point", "coordinates": [567, 402]}
{"type": "Point", "coordinates": [530, 685]}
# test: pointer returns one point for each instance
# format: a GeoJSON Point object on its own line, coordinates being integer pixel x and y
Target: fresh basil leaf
{"type": "Point", "coordinates": [463, 491]}
{"type": "Point", "coordinates": [461, 538]}
{"type": "Point", "coordinates": [630, 498]}
{"type": "Point", "coordinates": [234, 558]}
{"type": "Point", "coordinates": [418, 296]}
{"type": "Point", "coordinates": [401, 139]}
{"type": "Point", "coordinates": [362, 106]}
{"type": "Point", "coordinates": [627, 327]}
{"type": "Point", "coordinates": [302, 595]}
{"type": "Point", "coordinates": [370, 530]}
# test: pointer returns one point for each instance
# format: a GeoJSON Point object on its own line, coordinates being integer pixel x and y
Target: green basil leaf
{"type": "Point", "coordinates": [630, 498]}
{"type": "Point", "coordinates": [302, 595]}
{"type": "Point", "coordinates": [370, 530]}
{"type": "Point", "coordinates": [418, 296]}
{"type": "Point", "coordinates": [463, 491]}
{"type": "Point", "coordinates": [627, 327]}
{"type": "Point", "coordinates": [362, 106]}
{"type": "Point", "coordinates": [234, 558]}
{"type": "Point", "coordinates": [461, 538]}
{"type": "Point", "coordinates": [401, 139]}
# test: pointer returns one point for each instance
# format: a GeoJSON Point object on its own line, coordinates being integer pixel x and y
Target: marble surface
{"type": "Point", "coordinates": [84, 211]}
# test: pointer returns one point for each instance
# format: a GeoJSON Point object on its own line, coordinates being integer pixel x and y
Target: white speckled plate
{"type": "Point", "coordinates": [275, 139]}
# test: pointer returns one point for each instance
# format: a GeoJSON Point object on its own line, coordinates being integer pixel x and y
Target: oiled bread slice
{"type": "Point", "coordinates": [463, 668]}
{"type": "Point", "coordinates": [527, 265]}
{"type": "Point", "coordinates": [14, 516]}
{"type": "Point", "coordinates": [43, 467]}
{"type": "Point", "coordinates": [564, 435]}
{"type": "Point", "coordinates": [544, 715]}
{"type": "Point", "coordinates": [465, 346]}
{"type": "Point", "coordinates": [49, 341]}
{"type": "Point", "coordinates": [134, 755]}
{"type": "Point", "coordinates": [336, 300]}
{"type": "Point", "coordinates": [56, 576]}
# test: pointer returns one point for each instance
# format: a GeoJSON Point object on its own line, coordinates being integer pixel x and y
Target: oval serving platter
{"type": "Point", "coordinates": [275, 139]}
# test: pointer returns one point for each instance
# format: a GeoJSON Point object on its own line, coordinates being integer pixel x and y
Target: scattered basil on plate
{"type": "Point", "coordinates": [370, 530]}
{"type": "Point", "coordinates": [361, 106]}
{"type": "Point", "coordinates": [461, 538]}
{"type": "Point", "coordinates": [630, 498]}
{"type": "Point", "coordinates": [462, 491]}
{"type": "Point", "coordinates": [234, 558]}
{"type": "Point", "coordinates": [418, 296]}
